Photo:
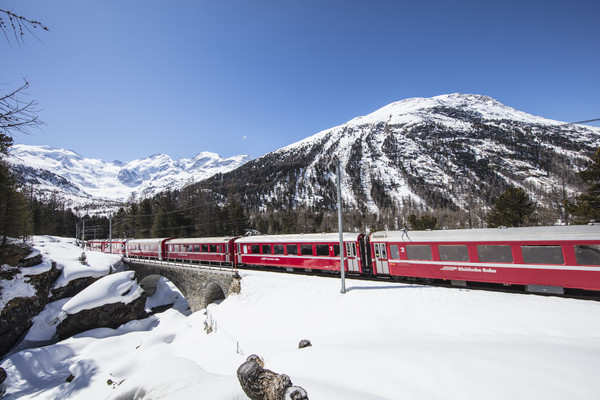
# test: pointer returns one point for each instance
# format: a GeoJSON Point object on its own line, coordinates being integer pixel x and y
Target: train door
{"type": "Point", "coordinates": [227, 257]}
{"type": "Point", "coordinates": [239, 253]}
{"type": "Point", "coordinates": [381, 258]}
{"type": "Point", "coordinates": [351, 257]}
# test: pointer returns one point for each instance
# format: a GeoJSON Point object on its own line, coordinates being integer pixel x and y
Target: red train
{"type": "Point", "coordinates": [540, 258]}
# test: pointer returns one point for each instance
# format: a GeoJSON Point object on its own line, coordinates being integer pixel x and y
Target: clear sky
{"type": "Point", "coordinates": [124, 79]}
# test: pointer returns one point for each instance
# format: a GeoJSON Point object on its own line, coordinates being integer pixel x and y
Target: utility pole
{"type": "Point", "coordinates": [342, 248]}
{"type": "Point", "coordinates": [110, 233]}
{"type": "Point", "coordinates": [83, 235]}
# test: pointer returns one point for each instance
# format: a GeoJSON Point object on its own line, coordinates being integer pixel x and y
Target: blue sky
{"type": "Point", "coordinates": [127, 79]}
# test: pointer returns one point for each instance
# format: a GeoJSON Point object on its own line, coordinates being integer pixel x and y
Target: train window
{"type": "Point", "coordinates": [542, 255]}
{"type": "Point", "coordinates": [277, 249]}
{"type": "Point", "coordinates": [196, 248]}
{"type": "Point", "coordinates": [255, 249]}
{"type": "Point", "coordinates": [454, 252]}
{"type": "Point", "coordinates": [419, 252]}
{"type": "Point", "coordinates": [306, 249]}
{"type": "Point", "coordinates": [292, 249]}
{"type": "Point", "coordinates": [494, 253]}
{"type": "Point", "coordinates": [322, 249]}
{"type": "Point", "coordinates": [190, 248]}
{"type": "Point", "coordinates": [266, 249]}
{"type": "Point", "coordinates": [394, 253]}
{"type": "Point", "coordinates": [587, 254]}
{"type": "Point", "coordinates": [336, 250]}
{"type": "Point", "coordinates": [204, 248]}
{"type": "Point", "coordinates": [213, 248]}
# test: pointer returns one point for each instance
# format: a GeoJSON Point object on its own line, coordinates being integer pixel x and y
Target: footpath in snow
{"type": "Point", "coordinates": [377, 341]}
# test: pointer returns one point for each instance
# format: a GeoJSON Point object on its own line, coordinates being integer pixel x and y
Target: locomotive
{"type": "Point", "coordinates": [542, 259]}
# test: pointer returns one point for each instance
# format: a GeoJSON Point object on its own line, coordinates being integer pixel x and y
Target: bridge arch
{"type": "Point", "coordinates": [214, 291]}
{"type": "Point", "coordinates": [200, 286]}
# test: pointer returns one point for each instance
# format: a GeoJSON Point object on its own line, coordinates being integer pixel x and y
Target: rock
{"type": "Point", "coordinates": [110, 315]}
{"type": "Point", "coordinates": [295, 393]}
{"type": "Point", "coordinates": [262, 384]}
{"type": "Point", "coordinates": [15, 317]}
{"type": "Point", "coordinates": [13, 252]}
{"type": "Point", "coordinates": [72, 288]}
{"type": "Point", "coordinates": [304, 343]}
{"type": "Point", "coordinates": [2, 375]}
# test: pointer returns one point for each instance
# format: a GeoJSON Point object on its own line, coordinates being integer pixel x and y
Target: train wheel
{"type": "Point", "coordinates": [398, 278]}
{"type": "Point", "coordinates": [427, 281]}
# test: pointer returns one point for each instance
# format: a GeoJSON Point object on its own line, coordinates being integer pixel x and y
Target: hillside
{"type": "Point", "coordinates": [454, 152]}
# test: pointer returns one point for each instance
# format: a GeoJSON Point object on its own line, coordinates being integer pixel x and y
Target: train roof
{"type": "Point", "coordinates": [147, 241]}
{"type": "Point", "coordinates": [300, 238]}
{"type": "Point", "coordinates": [569, 232]}
{"type": "Point", "coordinates": [204, 240]}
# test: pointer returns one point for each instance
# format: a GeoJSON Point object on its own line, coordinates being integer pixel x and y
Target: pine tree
{"type": "Point", "coordinates": [15, 219]}
{"type": "Point", "coordinates": [512, 208]}
{"type": "Point", "coordinates": [587, 207]}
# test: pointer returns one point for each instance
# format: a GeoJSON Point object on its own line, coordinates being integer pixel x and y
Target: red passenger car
{"type": "Point", "coordinates": [217, 251]}
{"type": "Point", "coordinates": [310, 251]}
{"type": "Point", "coordinates": [146, 248]}
{"type": "Point", "coordinates": [94, 245]}
{"type": "Point", "coordinates": [560, 256]}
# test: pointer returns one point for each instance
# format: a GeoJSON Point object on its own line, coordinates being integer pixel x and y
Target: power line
{"type": "Point", "coordinates": [583, 122]}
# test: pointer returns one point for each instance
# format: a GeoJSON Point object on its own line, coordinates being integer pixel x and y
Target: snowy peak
{"type": "Point", "coordinates": [447, 152]}
{"type": "Point", "coordinates": [85, 179]}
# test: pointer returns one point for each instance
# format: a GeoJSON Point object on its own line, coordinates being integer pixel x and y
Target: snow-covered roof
{"type": "Point", "coordinates": [306, 238]}
{"type": "Point", "coordinates": [147, 241]}
{"type": "Point", "coordinates": [570, 232]}
{"type": "Point", "coordinates": [202, 240]}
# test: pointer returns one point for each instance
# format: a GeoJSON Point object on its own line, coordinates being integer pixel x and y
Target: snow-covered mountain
{"type": "Point", "coordinates": [447, 151]}
{"type": "Point", "coordinates": [454, 152]}
{"type": "Point", "coordinates": [84, 180]}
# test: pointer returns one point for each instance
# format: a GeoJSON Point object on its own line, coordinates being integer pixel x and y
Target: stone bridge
{"type": "Point", "coordinates": [199, 285]}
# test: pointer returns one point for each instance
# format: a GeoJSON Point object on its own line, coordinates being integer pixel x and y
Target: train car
{"type": "Point", "coordinates": [94, 245]}
{"type": "Point", "coordinates": [537, 257]}
{"type": "Point", "coordinates": [115, 246]}
{"type": "Point", "coordinates": [146, 248]}
{"type": "Point", "coordinates": [217, 251]}
{"type": "Point", "coordinates": [306, 251]}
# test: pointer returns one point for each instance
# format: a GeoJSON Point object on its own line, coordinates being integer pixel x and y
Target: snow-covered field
{"type": "Point", "coordinates": [377, 341]}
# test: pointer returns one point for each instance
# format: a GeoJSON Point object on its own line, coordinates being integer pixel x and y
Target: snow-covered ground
{"type": "Point", "coordinates": [377, 341]}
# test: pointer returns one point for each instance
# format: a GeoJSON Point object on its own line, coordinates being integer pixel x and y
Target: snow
{"type": "Point", "coordinates": [66, 254]}
{"type": "Point", "coordinates": [117, 181]}
{"type": "Point", "coordinates": [119, 287]}
{"type": "Point", "coordinates": [380, 340]}
{"type": "Point", "coordinates": [19, 286]}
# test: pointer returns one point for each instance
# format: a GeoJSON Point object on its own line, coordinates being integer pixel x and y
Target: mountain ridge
{"type": "Point", "coordinates": [445, 152]}
{"type": "Point", "coordinates": [81, 179]}
{"type": "Point", "coordinates": [454, 152]}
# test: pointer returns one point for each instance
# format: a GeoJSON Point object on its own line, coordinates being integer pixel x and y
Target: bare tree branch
{"type": "Point", "coordinates": [16, 113]}
{"type": "Point", "coordinates": [14, 26]}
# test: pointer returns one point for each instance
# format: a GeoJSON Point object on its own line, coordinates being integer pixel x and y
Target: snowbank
{"type": "Point", "coordinates": [19, 285]}
{"type": "Point", "coordinates": [66, 254]}
{"type": "Point", "coordinates": [120, 287]}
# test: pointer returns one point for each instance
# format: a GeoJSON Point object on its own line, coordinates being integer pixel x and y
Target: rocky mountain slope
{"type": "Point", "coordinates": [446, 152]}
{"type": "Point", "coordinates": [85, 180]}
{"type": "Point", "coordinates": [451, 152]}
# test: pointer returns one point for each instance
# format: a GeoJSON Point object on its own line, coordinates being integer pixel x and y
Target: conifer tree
{"type": "Point", "coordinates": [512, 208]}
{"type": "Point", "coordinates": [587, 206]}
{"type": "Point", "coordinates": [15, 218]}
